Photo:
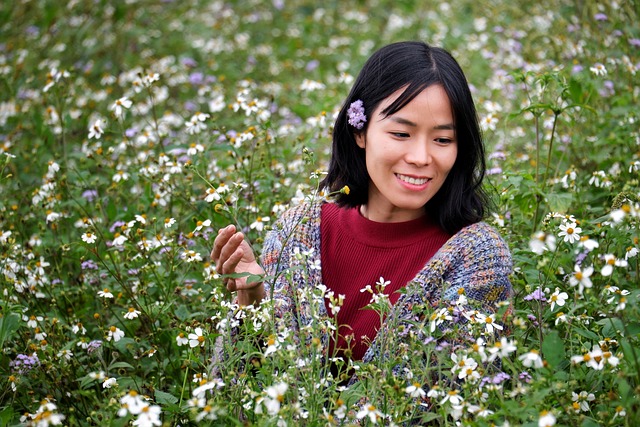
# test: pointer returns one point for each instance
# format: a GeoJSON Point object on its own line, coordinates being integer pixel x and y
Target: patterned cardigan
{"type": "Point", "coordinates": [476, 259]}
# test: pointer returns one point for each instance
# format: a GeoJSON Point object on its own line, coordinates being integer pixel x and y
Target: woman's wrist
{"type": "Point", "coordinates": [251, 296]}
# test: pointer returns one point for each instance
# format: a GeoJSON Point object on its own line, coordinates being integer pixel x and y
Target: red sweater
{"type": "Point", "coordinates": [356, 252]}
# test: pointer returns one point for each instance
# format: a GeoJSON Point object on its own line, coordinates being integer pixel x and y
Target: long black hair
{"type": "Point", "coordinates": [413, 66]}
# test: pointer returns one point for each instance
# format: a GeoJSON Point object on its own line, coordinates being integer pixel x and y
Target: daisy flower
{"type": "Point", "coordinates": [105, 293]}
{"type": "Point", "coordinates": [191, 256]}
{"type": "Point", "coordinates": [211, 195]}
{"type": "Point", "coordinates": [274, 397]}
{"type": "Point", "coordinates": [547, 419]}
{"type": "Point", "coordinates": [488, 321]}
{"type": "Point", "coordinates": [532, 359]}
{"type": "Point", "coordinates": [196, 339]}
{"type": "Point", "coordinates": [438, 317]}
{"type": "Point", "coordinates": [611, 261]}
{"type": "Point", "coordinates": [109, 382]}
{"type": "Point", "coordinates": [195, 149]}
{"type": "Point", "coordinates": [202, 224]}
{"type": "Point", "coordinates": [120, 105]}
{"type": "Point", "coordinates": [501, 349]}
{"type": "Point", "coordinates": [570, 231]}
{"type": "Point", "coordinates": [581, 401]}
{"type": "Point", "coordinates": [149, 416]}
{"type": "Point", "coordinates": [168, 222]}
{"type": "Point", "coordinates": [415, 390]}
{"type": "Point", "coordinates": [598, 69]}
{"type": "Point", "coordinates": [89, 237]}
{"type": "Point", "coordinates": [258, 224]}
{"type": "Point", "coordinates": [370, 411]}
{"type": "Point", "coordinates": [96, 129]}
{"type": "Point", "coordinates": [131, 314]}
{"type": "Point", "coordinates": [581, 278]}
{"type": "Point", "coordinates": [181, 339]}
{"type": "Point", "coordinates": [132, 403]}
{"type": "Point", "coordinates": [558, 298]}
{"type": "Point", "coordinates": [114, 333]}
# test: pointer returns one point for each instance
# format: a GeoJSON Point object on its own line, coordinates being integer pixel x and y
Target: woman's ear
{"type": "Point", "coordinates": [361, 139]}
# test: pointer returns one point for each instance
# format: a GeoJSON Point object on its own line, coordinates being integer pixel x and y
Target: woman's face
{"type": "Point", "coordinates": [408, 155]}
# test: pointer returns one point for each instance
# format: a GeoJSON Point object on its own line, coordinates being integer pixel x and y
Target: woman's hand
{"type": "Point", "coordinates": [232, 254]}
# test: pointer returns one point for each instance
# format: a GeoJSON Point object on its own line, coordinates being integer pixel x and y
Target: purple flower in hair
{"type": "Point", "coordinates": [356, 115]}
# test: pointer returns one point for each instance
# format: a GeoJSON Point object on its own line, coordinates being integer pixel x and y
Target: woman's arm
{"type": "Point", "coordinates": [232, 254]}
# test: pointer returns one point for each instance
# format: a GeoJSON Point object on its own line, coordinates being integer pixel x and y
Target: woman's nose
{"type": "Point", "coordinates": [418, 153]}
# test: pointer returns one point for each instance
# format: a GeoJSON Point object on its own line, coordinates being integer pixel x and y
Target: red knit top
{"type": "Point", "coordinates": [356, 252]}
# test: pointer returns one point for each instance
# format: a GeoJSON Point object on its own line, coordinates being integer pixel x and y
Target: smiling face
{"type": "Point", "coordinates": [408, 155]}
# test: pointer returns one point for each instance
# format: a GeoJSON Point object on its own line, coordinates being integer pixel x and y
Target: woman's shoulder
{"type": "Point", "coordinates": [480, 228]}
{"type": "Point", "coordinates": [308, 209]}
{"type": "Point", "coordinates": [479, 236]}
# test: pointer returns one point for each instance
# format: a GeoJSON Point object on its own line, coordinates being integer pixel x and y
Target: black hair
{"type": "Point", "coordinates": [414, 66]}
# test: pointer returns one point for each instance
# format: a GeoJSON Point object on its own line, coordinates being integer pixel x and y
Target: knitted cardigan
{"type": "Point", "coordinates": [476, 259]}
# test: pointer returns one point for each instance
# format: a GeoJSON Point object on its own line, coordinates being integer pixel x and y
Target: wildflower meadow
{"type": "Point", "coordinates": [131, 131]}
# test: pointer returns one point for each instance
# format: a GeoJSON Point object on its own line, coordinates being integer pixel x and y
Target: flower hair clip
{"type": "Point", "coordinates": [356, 115]}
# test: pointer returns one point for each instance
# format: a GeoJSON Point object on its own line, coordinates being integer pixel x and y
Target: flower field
{"type": "Point", "coordinates": [131, 131]}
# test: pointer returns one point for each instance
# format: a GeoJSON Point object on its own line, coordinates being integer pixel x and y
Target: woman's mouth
{"type": "Point", "coordinates": [412, 180]}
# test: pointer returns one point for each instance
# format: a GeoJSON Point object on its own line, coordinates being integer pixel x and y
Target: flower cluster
{"type": "Point", "coordinates": [356, 114]}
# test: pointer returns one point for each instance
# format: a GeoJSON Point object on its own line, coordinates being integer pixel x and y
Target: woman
{"type": "Point", "coordinates": [407, 166]}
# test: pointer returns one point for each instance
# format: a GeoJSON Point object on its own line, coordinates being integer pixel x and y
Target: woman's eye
{"type": "Point", "coordinates": [444, 140]}
{"type": "Point", "coordinates": [400, 134]}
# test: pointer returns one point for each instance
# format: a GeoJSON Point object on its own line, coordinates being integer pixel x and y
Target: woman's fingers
{"type": "Point", "coordinates": [221, 239]}
{"type": "Point", "coordinates": [224, 246]}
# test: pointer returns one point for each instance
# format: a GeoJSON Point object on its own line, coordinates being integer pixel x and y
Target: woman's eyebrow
{"type": "Point", "coordinates": [402, 121]}
{"type": "Point", "coordinates": [448, 126]}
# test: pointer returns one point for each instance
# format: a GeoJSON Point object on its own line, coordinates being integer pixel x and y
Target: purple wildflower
{"type": "Point", "coordinates": [93, 346]}
{"type": "Point", "coordinates": [90, 195]}
{"type": "Point", "coordinates": [312, 65]}
{"type": "Point", "coordinates": [500, 155]}
{"type": "Point", "coordinates": [116, 225]}
{"type": "Point", "coordinates": [537, 295]}
{"type": "Point", "coordinates": [196, 78]}
{"type": "Point", "coordinates": [600, 17]}
{"type": "Point", "coordinates": [189, 62]}
{"type": "Point", "coordinates": [634, 42]}
{"type": "Point", "coordinates": [442, 345]}
{"type": "Point", "coordinates": [24, 363]}
{"type": "Point", "coordinates": [89, 265]}
{"type": "Point", "coordinates": [356, 114]}
{"type": "Point", "coordinates": [525, 376]}
{"type": "Point", "coordinates": [190, 106]}
{"type": "Point", "coordinates": [498, 378]}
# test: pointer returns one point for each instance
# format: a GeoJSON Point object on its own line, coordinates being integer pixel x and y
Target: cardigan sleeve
{"type": "Point", "coordinates": [481, 266]}
{"type": "Point", "coordinates": [276, 258]}
{"type": "Point", "coordinates": [476, 260]}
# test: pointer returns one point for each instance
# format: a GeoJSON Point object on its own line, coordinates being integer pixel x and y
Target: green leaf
{"type": "Point", "coordinates": [624, 388]}
{"type": "Point", "coordinates": [587, 334]}
{"type": "Point", "coordinates": [6, 415]}
{"type": "Point", "coordinates": [182, 313]}
{"type": "Point", "coordinates": [165, 398]}
{"type": "Point", "coordinates": [9, 324]}
{"type": "Point", "coordinates": [588, 422]}
{"type": "Point", "coordinates": [611, 327]}
{"type": "Point", "coordinates": [117, 365]}
{"type": "Point", "coordinates": [553, 349]}
{"type": "Point", "coordinates": [560, 202]}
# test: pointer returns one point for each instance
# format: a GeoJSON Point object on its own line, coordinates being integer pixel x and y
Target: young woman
{"type": "Point", "coordinates": [407, 145]}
